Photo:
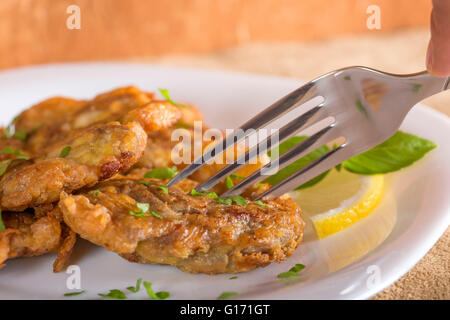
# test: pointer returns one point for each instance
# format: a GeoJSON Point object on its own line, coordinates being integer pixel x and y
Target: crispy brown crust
{"type": "Point", "coordinates": [96, 155]}
{"type": "Point", "coordinates": [27, 236]}
{"type": "Point", "coordinates": [196, 234]}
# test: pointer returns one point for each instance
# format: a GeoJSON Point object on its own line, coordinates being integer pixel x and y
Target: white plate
{"type": "Point", "coordinates": [354, 264]}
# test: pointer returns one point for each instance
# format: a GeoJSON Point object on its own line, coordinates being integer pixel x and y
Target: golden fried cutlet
{"type": "Point", "coordinates": [193, 233]}
{"type": "Point", "coordinates": [26, 236]}
{"type": "Point", "coordinates": [56, 119]}
{"type": "Point", "coordinates": [95, 154]}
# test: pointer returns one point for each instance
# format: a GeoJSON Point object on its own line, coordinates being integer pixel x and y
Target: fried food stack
{"type": "Point", "coordinates": [74, 167]}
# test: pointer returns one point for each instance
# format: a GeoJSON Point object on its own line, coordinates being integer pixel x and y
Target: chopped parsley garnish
{"type": "Point", "coordinates": [165, 94]}
{"type": "Point", "coordinates": [236, 176]}
{"type": "Point", "coordinates": [10, 150]}
{"type": "Point", "coordinates": [229, 183]}
{"type": "Point", "coordinates": [145, 183]}
{"type": "Point", "coordinates": [226, 201]}
{"type": "Point", "coordinates": [96, 192]}
{"type": "Point", "coordinates": [238, 200]}
{"type": "Point", "coordinates": [156, 214]}
{"type": "Point", "coordinates": [227, 295]}
{"type": "Point", "coordinates": [21, 135]}
{"type": "Point", "coordinates": [142, 210]}
{"type": "Point", "coordinates": [260, 203]}
{"type": "Point", "coordinates": [181, 124]}
{"type": "Point", "coordinates": [165, 189]}
{"type": "Point", "coordinates": [293, 272]}
{"type": "Point", "coordinates": [65, 152]}
{"type": "Point", "coordinates": [229, 200]}
{"type": "Point", "coordinates": [138, 286]}
{"type": "Point", "coordinates": [2, 225]}
{"type": "Point", "coordinates": [232, 278]}
{"type": "Point", "coordinates": [155, 296]}
{"type": "Point", "coordinates": [72, 294]}
{"type": "Point", "coordinates": [114, 294]}
{"type": "Point", "coordinates": [205, 194]}
{"type": "Point", "coordinates": [416, 87]}
{"type": "Point", "coordinates": [162, 173]}
{"type": "Point", "coordinates": [5, 164]}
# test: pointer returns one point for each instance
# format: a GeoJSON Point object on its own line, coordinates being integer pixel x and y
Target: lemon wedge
{"type": "Point", "coordinates": [340, 200]}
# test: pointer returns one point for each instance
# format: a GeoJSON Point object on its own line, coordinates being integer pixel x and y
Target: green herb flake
{"type": "Point", "coordinates": [164, 189]}
{"type": "Point", "coordinates": [361, 108]}
{"type": "Point", "coordinates": [226, 201]}
{"type": "Point", "coordinates": [181, 124]}
{"type": "Point", "coordinates": [155, 296]}
{"type": "Point", "coordinates": [145, 183]}
{"type": "Point", "coordinates": [2, 225]}
{"type": "Point", "coordinates": [166, 95]}
{"type": "Point", "coordinates": [229, 183]}
{"type": "Point", "coordinates": [233, 278]}
{"type": "Point", "coordinates": [96, 192]}
{"type": "Point", "coordinates": [162, 173]}
{"type": "Point", "coordinates": [21, 135]}
{"type": "Point", "coordinates": [143, 208]}
{"type": "Point", "coordinates": [114, 294]}
{"type": "Point", "coordinates": [416, 87]}
{"type": "Point", "coordinates": [5, 164]}
{"type": "Point", "coordinates": [72, 294]}
{"type": "Point", "coordinates": [260, 203]}
{"type": "Point", "coordinates": [156, 214]}
{"type": "Point", "coordinates": [236, 176]}
{"type": "Point", "coordinates": [227, 295]}
{"type": "Point", "coordinates": [65, 152]}
{"type": "Point", "coordinates": [204, 194]}
{"type": "Point", "coordinates": [137, 288]}
{"type": "Point", "coordinates": [238, 200]}
{"type": "Point", "coordinates": [10, 150]}
{"type": "Point", "coordinates": [293, 272]}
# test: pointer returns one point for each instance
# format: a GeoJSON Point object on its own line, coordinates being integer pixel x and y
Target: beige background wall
{"type": "Point", "coordinates": [34, 31]}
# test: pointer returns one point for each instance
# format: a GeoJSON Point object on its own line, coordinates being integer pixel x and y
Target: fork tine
{"type": "Point", "coordinates": [265, 117]}
{"type": "Point", "coordinates": [312, 170]}
{"type": "Point", "coordinates": [285, 132]}
{"type": "Point", "coordinates": [316, 140]}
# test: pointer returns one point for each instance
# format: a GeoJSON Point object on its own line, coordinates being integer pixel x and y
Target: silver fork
{"type": "Point", "coordinates": [367, 107]}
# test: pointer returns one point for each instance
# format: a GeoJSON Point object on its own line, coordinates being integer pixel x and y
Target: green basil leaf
{"type": "Point", "coordinates": [166, 95]}
{"type": "Point", "coordinates": [162, 173]}
{"type": "Point", "coordinates": [399, 151]}
{"type": "Point", "coordinates": [298, 164]}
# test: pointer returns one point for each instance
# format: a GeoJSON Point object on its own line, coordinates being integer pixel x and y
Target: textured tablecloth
{"type": "Point", "coordinates": [402, 52]}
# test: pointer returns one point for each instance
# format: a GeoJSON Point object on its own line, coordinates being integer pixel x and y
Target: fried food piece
{"type": "Point", "coordinates": [193, 233]}
{"type": "Point", "coordinates": [26, 236]}
{"type": "Point", "coordinates": [68, 240]}
{"type": "Point", "coordinates": [96, 154]}
{"type": "Point", "coordinates": [57, 119]}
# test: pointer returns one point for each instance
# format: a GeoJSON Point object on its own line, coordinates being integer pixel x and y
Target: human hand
{"type": "Point", "coordinates": [438, 55]}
